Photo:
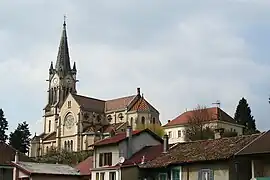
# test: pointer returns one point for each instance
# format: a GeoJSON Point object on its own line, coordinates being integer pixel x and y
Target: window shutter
{"type": "Point", "coordinates": [200, 175]}
{"type": "Point", "coordinates": [211, 174]}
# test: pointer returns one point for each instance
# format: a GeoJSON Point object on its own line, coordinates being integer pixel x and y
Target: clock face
{"type": "Point", "coordinates": [69, 121]}
{"type": "Point", "coordinates": [55, 80]}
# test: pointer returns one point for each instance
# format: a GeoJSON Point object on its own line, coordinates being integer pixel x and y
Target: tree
{"type": "Point", "coordinates": [20, 138]}
{"type": "Point", "coordinates": [156, 128]}
{"type": "Point", "coordinates": [3, 127]}
{"type": "Point", "coordinates": [197, 120]}
{"type": "Point", "coordinates": [243, 116]}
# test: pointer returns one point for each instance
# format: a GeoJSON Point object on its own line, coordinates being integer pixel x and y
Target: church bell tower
{"type": "Point", "coordinates": [62, 79]}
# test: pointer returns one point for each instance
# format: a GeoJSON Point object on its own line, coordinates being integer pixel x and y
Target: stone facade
{"type": "Point", "coordinates": [73, 122]}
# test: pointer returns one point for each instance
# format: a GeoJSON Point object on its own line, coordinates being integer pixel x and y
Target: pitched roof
{"type": "Point", "coordinates": [122, 136]}
{"type": "Point", "coordinates": [148, 152]}
{"type": "Point", "coordinates": [119, 103]}
{"type": "Point", "coordinates": [50, 136]}
{"type": "Point", "coordinates": [203, 150]}
{"type": "Point", "coordinates": [85, 166]}
{"type": "Point", "coordinates": [142, 105]}
{"type": "Point", "coordinates": [7, 154]}
{"type": "Point", "coordinates": [260, 146]}
{"type": "Point", "coordinates": [213, 113]}
{"type": "Point", "coordinates": [89, 104]}
{"type": "Point", "coordinates": [44, 168]}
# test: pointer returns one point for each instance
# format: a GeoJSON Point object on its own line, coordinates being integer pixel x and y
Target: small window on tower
{"type": "Point", "coordinates": [69, 104]}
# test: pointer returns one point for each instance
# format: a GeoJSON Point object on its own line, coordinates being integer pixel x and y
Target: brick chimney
{"type": "Point", "coordinates": [15, 169]}
{"type": "Point", "coordinates": [219, 133]}
{"type": "Point", "coordinates": [129, 141]}
{"type": "Point", "coordinates": [139, 91]}
{"type": "Point", "coordinates": [165, 143]}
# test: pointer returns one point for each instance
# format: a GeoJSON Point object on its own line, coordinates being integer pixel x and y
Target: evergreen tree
{"type": "Point", "coordinates": [3, 127]}
{"type": "Point", "coordinates": [20, 138]}
{"type": "Point", "coordinates": [243, 116]}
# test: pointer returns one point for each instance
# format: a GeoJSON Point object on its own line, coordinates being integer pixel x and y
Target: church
{"type": "Point", "coordinates": [73, 122]}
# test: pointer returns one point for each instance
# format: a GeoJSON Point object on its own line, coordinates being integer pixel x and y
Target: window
{"type": "Point", "coordinates": [206, 174]}
{"type": "Point", "coordinates": [143, 120]}
{"type": "Point", "coordinates": [179, 133]}
{"type": "Point", "coordinates": [65, 145]}
{"type": "Point", "coordinates": [112, 176]}
{"type": "Point", "coordinates": [105, 159]}
{"type": "Point", "coordinates": [102, 175]}
{"type": "Point", "coordinates": [69, 104]}
{"type": "Point", "coordinates": [175, 173]}
{"type": "Point", "coordinates": [47, 149]}
{"type": "Point", "coordinates": [71, 145]}
{"type": "Point", "coordinates": [50, 125]}
{"type": "Point", "coordinates": [170, 134]}
{"type": "Point", "coordinates": [154, 120]}
{"type": "Point", "coordinates": [109, 118]}
{"type": "Point", "coordinates": [131, 122]}
{"type": "Point", "coordinates": [162, 176]}
{"type": "Point", "coordinates": [97, 176]}
{"type": "Point", "coordinates": [120, 116]}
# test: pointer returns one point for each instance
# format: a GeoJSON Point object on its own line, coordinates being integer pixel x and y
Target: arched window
{"type": "Point", "coordinates": [50, 125]}
{"type": "Point", "coordinates": [131, 122]}
{"type": "Point", "coordinates": [109, 118]}
{"type": "Point", "coordinates": [47, 149]}
{"type": "Point", "coordinates": [71, 145]}
{"type": "Point", "coordinates": [68, 146]}
{"type": "Point", "coordinates": [154, 120]}
{"type": "Point", "coordinates": [143, 121]}
{"type": "Point", "coordinates": [65, 146]}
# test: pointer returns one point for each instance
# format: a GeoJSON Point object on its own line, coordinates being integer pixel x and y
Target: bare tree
{"type": "Point", "coordinates": [197, 120]}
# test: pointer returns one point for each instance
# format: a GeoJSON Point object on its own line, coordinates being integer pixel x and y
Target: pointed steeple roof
{"type": "Point", "coordinates": [62, 65]}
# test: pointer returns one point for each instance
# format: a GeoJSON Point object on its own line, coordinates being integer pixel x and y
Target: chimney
{"type": "Point", "coordinates": [139, 91]}
{"type": "Point", "coordinates": [129, 141]}
{"type": "Point", "coordinates": [16, 157]}
{"type": "Point", "coordinates": [169, 121]}
{"type": "Point", "coordinates": [219, 133]}
{"type": "Point", "coordinates": [165, 143]}
{"type": "Point", "coordinates": [143, 160]}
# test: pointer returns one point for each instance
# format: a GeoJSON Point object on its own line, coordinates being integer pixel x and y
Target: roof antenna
{"type": "Point", "coordinates": [217, 103]}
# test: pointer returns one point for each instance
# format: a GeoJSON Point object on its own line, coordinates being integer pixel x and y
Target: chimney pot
{"type": "Point", "coordinates": [16, 157]}
{"type": "Point", "coordinates": [165, 143]}
{"type": "Point", "coordinates": [169, 121]}
{"type": "Point", "coordinates": [139, 91]}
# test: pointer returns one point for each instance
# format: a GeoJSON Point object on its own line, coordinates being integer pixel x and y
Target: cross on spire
{"type": "Point", "coordinates": [65, 18]}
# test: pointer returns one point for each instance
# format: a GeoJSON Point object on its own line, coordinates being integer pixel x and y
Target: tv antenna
{"type": "Point", "coordinates": [217, 103]}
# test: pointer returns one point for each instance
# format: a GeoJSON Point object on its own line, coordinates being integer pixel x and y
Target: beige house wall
{"type": "Point", "coordinates": [220, 170]}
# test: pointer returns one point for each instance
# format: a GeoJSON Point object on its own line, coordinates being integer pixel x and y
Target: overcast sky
{"type": "Point", "coordinates": [181, 53]}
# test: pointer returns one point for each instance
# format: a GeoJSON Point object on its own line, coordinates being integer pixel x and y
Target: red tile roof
{"type": "Point", "coordinates": [211, 114]}
{"type": "Point", "coordinates": [119, 103]}
{"type": "Point", "coordinates": [115, 139]}
{"type": "Point", "coordinates": [149, 153]}
{"type": "Point", "coordinates": [142, 105]}
{"type": "Point", "coordinates": [85, 166]}
{"type": "Point", "coordinates": [122, 136]}
{"type": "Point", "coordinates": [203, 150]}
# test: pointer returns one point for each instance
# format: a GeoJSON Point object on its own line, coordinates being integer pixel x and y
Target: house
{"type": "Point", "coordinates": [111, 155]}
{"type": "Point", "coordinates": [7, 154]}
{"type": "Point", "coordinates": [230, 158]}
{"type": "Point", "coordinates": [84, 168]}
{"type": "Point", "coordinates": [213, 117]}
{"type": "Point", "coordinates": [72, 121]}
{"type": "Point", "coordinates": [42, 171]}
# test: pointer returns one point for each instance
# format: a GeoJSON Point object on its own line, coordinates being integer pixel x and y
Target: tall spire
{"type": "Point", "coordinates": [62, 65]}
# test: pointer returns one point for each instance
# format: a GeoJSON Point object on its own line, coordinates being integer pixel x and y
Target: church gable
{"type": "Point", "coordinates": [142, 105]}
